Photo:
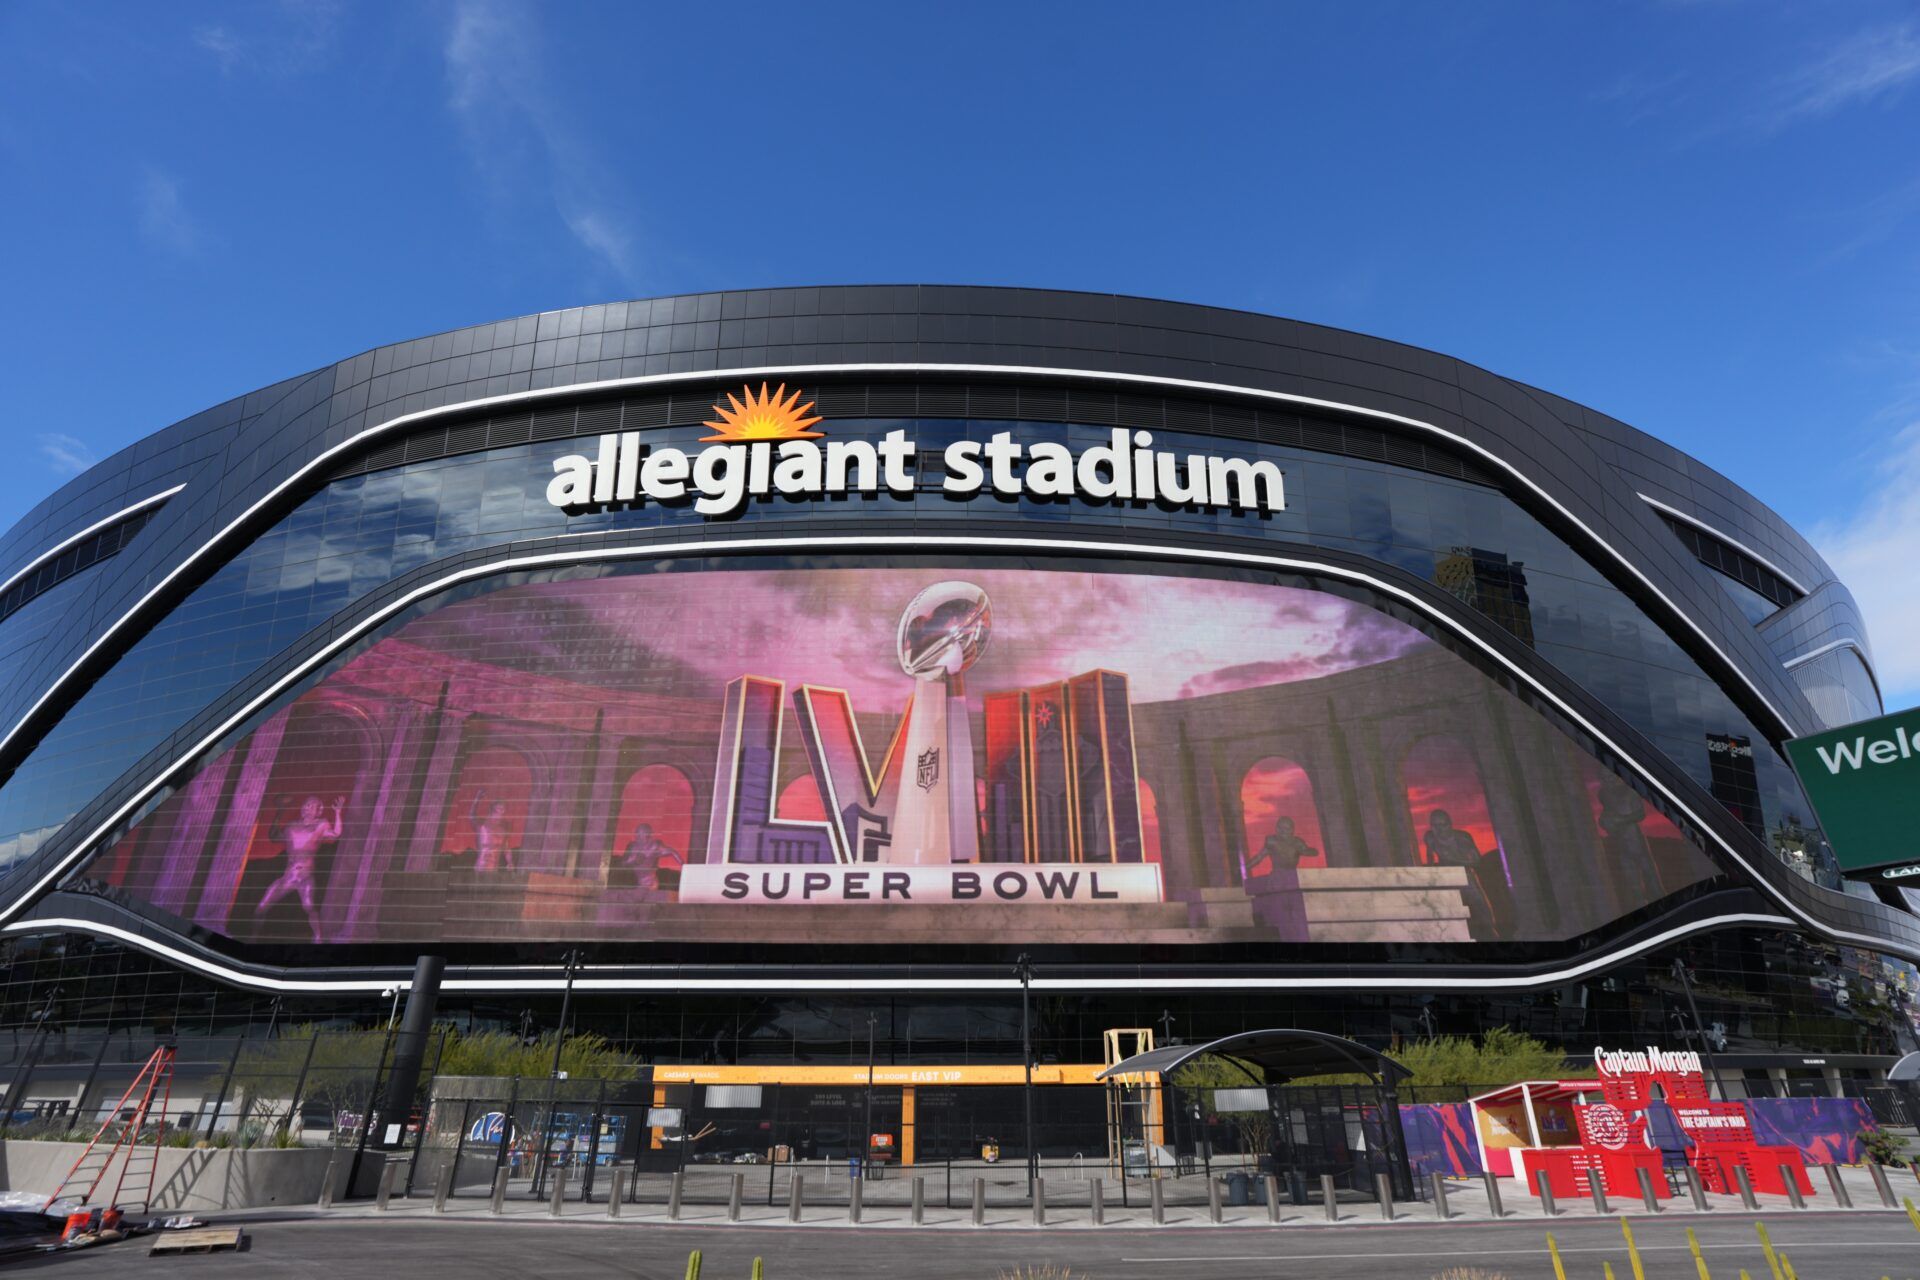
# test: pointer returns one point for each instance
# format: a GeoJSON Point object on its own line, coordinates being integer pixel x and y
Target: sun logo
{"type": "Point", "coordinates": [763, 417]}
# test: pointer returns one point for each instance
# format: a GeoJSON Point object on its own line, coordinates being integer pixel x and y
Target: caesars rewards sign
{"type": "Point", "coordinates": [906, 830]}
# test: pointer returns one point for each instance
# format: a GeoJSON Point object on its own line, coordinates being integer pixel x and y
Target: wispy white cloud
{"type": "Point", "coordinates": [1638, 95]}
{"type": "Point", "coordinates": [226, 48]}
{"type": "Point", "coordinates": [164, 219]}
{"type": "Point", "coordinates": [1873, 550]}
{"type": "Point", "coordinates": [279, 39]}
{"type": "Point", "coordinates": [500, 93]}
{"type": "Point", "coordinates": [1875, 65]}
{"type": "Point", "coordinates": [67, 455]}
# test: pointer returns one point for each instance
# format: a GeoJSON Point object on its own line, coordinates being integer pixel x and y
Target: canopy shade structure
{"type": "Point", "coordinates": [1905, 1071]}
{"type": "Point", "coordinates": [1282, 1053]}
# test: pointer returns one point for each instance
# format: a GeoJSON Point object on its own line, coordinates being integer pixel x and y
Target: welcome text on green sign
{"type": "Point", "coordinates": [1864, 782]}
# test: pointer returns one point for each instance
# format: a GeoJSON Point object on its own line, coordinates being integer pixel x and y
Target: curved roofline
{"type": "Point", "coordinates": [1254, 1046]}
{"type": "Point", "coordinates": [1538, 395]}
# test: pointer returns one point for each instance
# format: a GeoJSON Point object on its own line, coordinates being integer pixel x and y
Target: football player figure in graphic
{"type": "Point", "coordinates": [303, 838]}
{"type": "Point", "coordinates": [1449, 846]}
{"type": "Point", "coordinates": [1282, 850]}
{"type": "Point", "coordinates": [490, 833]}
{"type": "Point", "coordinates": [1621, 813]}
{"type": "Point", "coordinates": [641, 863]}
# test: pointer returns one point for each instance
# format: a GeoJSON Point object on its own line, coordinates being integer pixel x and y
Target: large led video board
{"type": "Point", "coordinates": [1017, 752]}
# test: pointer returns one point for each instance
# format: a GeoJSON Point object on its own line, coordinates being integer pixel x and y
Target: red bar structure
{"type": "Point", "coordinates": [1571, 1128]}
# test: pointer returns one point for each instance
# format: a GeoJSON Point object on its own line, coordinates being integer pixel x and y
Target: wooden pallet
{"type": "Point", "coordinates": [203, 1240]}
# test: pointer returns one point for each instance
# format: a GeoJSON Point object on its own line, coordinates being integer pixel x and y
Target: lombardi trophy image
{"type": "Point", "coordinates": [942, 633]}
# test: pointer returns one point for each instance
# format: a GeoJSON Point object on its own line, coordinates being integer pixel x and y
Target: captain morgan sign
{"type": "Point", "coordinates": [764, 444]}
{"type": "Point", "coordinates": [1864, 783]}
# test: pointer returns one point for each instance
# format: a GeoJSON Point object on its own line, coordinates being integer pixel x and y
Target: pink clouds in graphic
{"type": "Point", "coordinates": [1173, 637]}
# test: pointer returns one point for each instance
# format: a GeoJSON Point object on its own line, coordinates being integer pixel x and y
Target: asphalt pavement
{"type": "Point", "coordinates": [1866, 1245]}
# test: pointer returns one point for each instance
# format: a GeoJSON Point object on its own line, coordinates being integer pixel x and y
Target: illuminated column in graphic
{"type": "Point", "coordinates": [942, 633]}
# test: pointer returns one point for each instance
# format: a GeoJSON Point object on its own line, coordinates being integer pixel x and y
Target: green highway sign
{"type": "Point", "coordinates": [1864, 783]}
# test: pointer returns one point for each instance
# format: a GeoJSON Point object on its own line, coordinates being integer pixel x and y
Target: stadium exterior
{"type": "Point", "coordinates": [1237, 672]}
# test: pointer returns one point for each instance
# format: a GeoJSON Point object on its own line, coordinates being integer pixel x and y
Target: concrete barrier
{"type": "Point", "coordinates": [1880, 1184]}
{"type": "Point", "coordinates": [1491, 1181]}
{"type": "Point", "coordinates": [1597, 1189]}
{"type": "Point", "coordinates": [556, 1204]}
{"type": "Point", "coordinates": [735, 1196]}
{"type": "Point", "coordinates": [1792, 1185]}
{"type": "Point", "coordinates": [979, 1202]}
{"type": "Point", "coordinates": [1695, 1191]}
{"type": "Point", "coordinates": [1545, 1188]}
{"type": "Point", "coordinates": [1649, 1198]}
{"type": "Point", "coordinates": [1213, 1200]}
{"type": "Point", "coordinates": [1097, 1202]}
{"type": "Point", "coordinates": [856, 1196]}
{"type": "Point", "coordinates": [1273, 1198]}
{"type": "Point", "coordinates": [618, 1194]}
{"type": "Point", "coordinates": [497, 1203]}
{"type": "Point", "coordinates": [1383, 1190]}
{"type": "Point", "coordinates": [1329, 1197]}
{"type": "Point", "coordinates": [187, 1180]}
{"type": "Point", "coordinates": [1039, 1202]}
{"type": "Point", "coordinates": [442, 1188]}
{"type": "Point", "coordinates": [1157, 1201]}
{"type": "Point", "coordinates": [1439, 1196]}
{"type": "Point", "coordinates": [676, 1187]}
{"type": "Point", "coordinates": [796, 1197]}
{"type": "Point", "coordinates": [1840, 1195]}
{"type": "Point", "coordinates": [1745, 1186]}
{"type": "Point", "coordinates": [919, 1210]}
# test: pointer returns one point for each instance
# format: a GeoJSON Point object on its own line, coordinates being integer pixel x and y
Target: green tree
{"type": "Point", "coordinates": [584, 1056]}
{"type": "Point", "coordinates": [1209, 1073]}
{"type": "Point", "coordinates": [1501, 1056]}
{"type": "Point", "coordinates": [339, 1074]}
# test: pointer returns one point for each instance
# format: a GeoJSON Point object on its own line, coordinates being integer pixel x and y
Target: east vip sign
{"type": "Point", "coordinates": [763, 445]}
{"type": "Point", "coordinates": [1864, 783]}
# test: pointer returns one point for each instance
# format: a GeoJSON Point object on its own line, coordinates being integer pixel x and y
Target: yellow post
{"type": "Point", "coordinates": [1699, 1262]}
{"type": "Point", "coordinates": [1786, 1265]}
{"type": "Point", "coordinates": [1608, 1268]}
{"type": "Point", "coordinates": [1633, 1254]}
{"type": "Point", "coordinates": [1913, 1215]}
{"type": "Point", "coordinates": [1773, 1259]}
{"type": "Point", "coordinates": [1559, 1271]}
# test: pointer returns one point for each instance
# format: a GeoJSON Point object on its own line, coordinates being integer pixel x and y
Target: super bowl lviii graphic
{"type": "Point", "coordinates": [915, 827]}
{"type": "Point", "coordinates": [904, 751]}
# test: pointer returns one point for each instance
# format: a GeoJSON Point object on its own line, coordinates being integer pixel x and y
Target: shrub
{"type": "Point", "coordinates": [1883, 1147]}
{"type": "Point", "coordinates": [1040, 1271]}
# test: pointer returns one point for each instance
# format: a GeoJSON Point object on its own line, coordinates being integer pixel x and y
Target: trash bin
{"type": "Point", "coordinates": [1239, 1188]}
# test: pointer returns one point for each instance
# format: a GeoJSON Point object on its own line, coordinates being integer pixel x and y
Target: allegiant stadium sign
{"type": "Point", "coordinates": [763, 446]}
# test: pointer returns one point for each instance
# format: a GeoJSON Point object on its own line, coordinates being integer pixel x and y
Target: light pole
{"type": "Point", "coordinates": [866, 1140]}
{"type": "Point", "coordinates": [545, 1157]}
{"type": "Point", "coordinates": [1023, 969]}
{"type": "Point", "coordinates": [566, 1000]}
{"type": "Point", "coordinates": [1685, 975]}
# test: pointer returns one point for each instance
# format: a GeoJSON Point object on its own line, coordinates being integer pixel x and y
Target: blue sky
{"type": "Point", "coordinates": [1701, 217]}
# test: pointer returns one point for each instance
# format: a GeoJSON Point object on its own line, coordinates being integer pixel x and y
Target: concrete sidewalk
{"type": "Point", "coordinates": [1069, 1206]}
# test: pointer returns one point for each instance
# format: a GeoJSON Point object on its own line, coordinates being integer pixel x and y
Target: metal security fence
{"type": "Point", "coordinates": [586, 1141]}
{"type": "Point", "coordinates": [239, 1090]}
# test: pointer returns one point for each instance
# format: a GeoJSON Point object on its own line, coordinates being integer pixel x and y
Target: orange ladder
{"type": "Point", "coordinates": [154, 1081]}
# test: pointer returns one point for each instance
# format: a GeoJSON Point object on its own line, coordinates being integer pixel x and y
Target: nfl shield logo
{"type": "Point", "coordinates": [929, 768]}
